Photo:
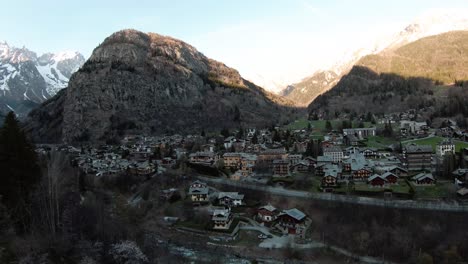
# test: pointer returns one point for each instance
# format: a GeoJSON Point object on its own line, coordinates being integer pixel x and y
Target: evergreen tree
{"type": "Point", "coordinates": [19, 170]}
{"type": "Point", "coordinates": [328, 126]}
{"type": "Point", "coordinates": [255, 138]}
{"type": "Point", "coordinates": [225, 132]}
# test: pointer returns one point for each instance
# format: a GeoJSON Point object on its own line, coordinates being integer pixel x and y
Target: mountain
{"type": "Point", "coordinates": [147, 83]}
{"type": "Point", "coordinates": [413, 76]}
{"type": "Point", "coordinates": [432, 23]}
{"type": "Point", "coordinates": [27, 80]}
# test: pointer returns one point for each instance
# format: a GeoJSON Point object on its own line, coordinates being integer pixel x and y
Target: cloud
{"type": "Point", "coordinates": [312, 8]}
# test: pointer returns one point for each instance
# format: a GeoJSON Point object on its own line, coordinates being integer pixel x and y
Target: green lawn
{"type": "Point", "coordinates": [439, 190]}
{"type": "Point", "coordinates": [298, 124]}
{"type": "Point", "coordinates": [402, 187]}
{"type": "Point", "coordinates": [379, 142]}
{"type": "Point", "coordinates": [433, 141]}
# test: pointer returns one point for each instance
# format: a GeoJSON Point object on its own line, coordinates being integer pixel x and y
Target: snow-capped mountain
{"type": "Point", "coordinates": [27, 80]}
{"type": "Point", "coordinates": [431, 23]}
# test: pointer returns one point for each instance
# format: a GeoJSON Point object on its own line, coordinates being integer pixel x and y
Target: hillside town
{"type": "Point", "coordinates": [310, 159]}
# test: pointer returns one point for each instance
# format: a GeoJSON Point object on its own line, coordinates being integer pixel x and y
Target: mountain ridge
{"type": "Point", "coordinates": [137, 82]}
{"type": "Point", "coordinates": [27, 79]}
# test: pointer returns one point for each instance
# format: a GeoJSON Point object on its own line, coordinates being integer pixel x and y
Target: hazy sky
{"type": "Point", "coordinates": [281, 40]}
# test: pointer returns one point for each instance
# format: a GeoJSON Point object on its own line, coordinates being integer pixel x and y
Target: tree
{"type": "Point", "coordinates": [225, 132]}
{"type": "Point", "coordinates": [237, 115]}
{"type": "Point", "coordinates": [255, 138]}
{"type": "Point", "coordinates": [328, 126]}
{"type": "Point", "coordinates": [19, 171]}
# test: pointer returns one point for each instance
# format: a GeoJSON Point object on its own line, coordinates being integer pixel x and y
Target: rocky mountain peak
{"type": "Point", "coordinates": [148, 83]}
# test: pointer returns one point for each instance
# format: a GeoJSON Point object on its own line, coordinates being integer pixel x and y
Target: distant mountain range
{"type": "Point", "coordinates": [413, 76]}
{"type": "Point", "coordinates": [304, 92]}
{"type": "Point", "coordinates": [147, 83]}
{"type": "Point", "coordinates": [27, 80]}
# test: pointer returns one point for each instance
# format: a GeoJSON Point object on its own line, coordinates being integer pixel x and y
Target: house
{"type": "Point", "coordinates": [424, 179]}
{"type": "Point", "coordinates": [358, 165]}
{"type": "Point", "coordinates": [461, 175]}
{"type": "Point", "coordinates": [247, 164]}
{"type": "Point", "coordinates": [370, 153]}
{"type": "Point", "coordinates": [294, 159]}
{"type": "Point", "coordinates": [198, 192]}
{"type": "Point", "coordinates": [267, 213]}
{"type": "Point", "coordinates": [334, 152]}
{"type": "Point", "coordinates": [446, 146]}
{"type": "Point", "coordinates": [351, 140]}
{"type": "Point", "coordinates": [397, 170]}
{"type": "Point", "coordinates": [376, 180]}
{"type": "Point", "coordinates": [222, 219]}
{"type": "Point", "coordinates": [230, 199]}
{"type": "Point", "coordinates": [269, 155]}
{"type": "Point", "coordinates": [301, 167]}
{"type": "Point", "coordinates": [293, 222]}
{"type": "Point", "coordinates": [390, 178]}
{"type": "Point", "coordinates": [413, 127]}
{"type": "Point", "coordinates": [360, 132]}
{"type": "Point", "coordinates": [228, 142]}
{"type": "Point", "coordinates": [281, 168]}
{"type": "Point", "coordinates": [204, 158]}
{"type": "Point", "coordinates": [232, 160]}
{"type": "Point", "coordinates": [331, 173]}
{"type": "Point", "coordinates": [418, 157]}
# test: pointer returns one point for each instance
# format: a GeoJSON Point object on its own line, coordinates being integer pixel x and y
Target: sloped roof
{"type": "Point", "coordinates": [295, 213]}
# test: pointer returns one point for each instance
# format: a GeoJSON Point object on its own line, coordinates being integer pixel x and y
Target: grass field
{"type": "Point", "coordinates": [298, 124]}
{"type": "Point", "coordinates": [402, 188]}
{"type": "Point", "coordinates": [433, 141]}
{"type": "Point", "coordinates": [439, 190]}
{"type": "Point", "coordinates": [379, 142]}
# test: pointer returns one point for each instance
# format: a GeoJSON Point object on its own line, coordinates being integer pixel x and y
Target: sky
{"type": "Point", "coordinates": [278, 41]}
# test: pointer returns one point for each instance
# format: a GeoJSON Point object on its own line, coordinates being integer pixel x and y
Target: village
{"type": "Point", "coordinates": [311, 157]}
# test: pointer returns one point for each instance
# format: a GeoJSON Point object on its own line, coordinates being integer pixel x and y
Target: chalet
{"type": "Point", "coordinates": [376, 180]}
{"type": "Point", "coordinates": [331, 173]}
{"type": "Point", "coordinates": [267, 213]}
{"type": "Point", "coordinates": [312, 162]}
{"type": "Point", "coordinates": [390, 178]}
{"type": "Point", "coordinates": [445, 147]}
{"type": "Point", "coordinates": [322, 161]}
{"type": "Point", "coordinates": [222, 219]}
{"type": "Point", "coordinates": [424, 179]}
{"type": "Point", "coordinates": [301, 167]}
{"type": "Point", "coordinates": [230, 198]}
{"type": "Point", "coordinates": [351, 140]}
{"type": "Point", "coordinates": [300, 147]}
{"type": "Point", "coordinates": [142, 168]}
{"type": "Point", "coordinates": [280, 168]}
{"type": "Point", "coordinates": [198, 192]}
{"type": "Point", "coordinates": [461, 175]}
{"type": "Point", "coordinates": [334, 152]}
{"type": "Point", "coordinates": [168, 162]}
{"type": "Point", "coordinates": [398, 171]}
{"type": "Point", "coordinates": [358, 165]}
{"type": "Point", "coordinates": [205, 158]}
{"type": "Point", "coordinates": [418, 157]}
{"type": "Point", "coordinates": [293, 222]}
{"type": "Point", "coordinates": [370, 153]}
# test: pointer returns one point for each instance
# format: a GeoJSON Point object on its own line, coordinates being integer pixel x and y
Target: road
{"type": "Point", "coordinates": [452, 206]}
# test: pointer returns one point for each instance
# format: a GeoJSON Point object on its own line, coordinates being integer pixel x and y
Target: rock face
{"type": "Point", "coordinates": [148, 83]}
{"type": "Point", "coordinates": [27, 80]}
